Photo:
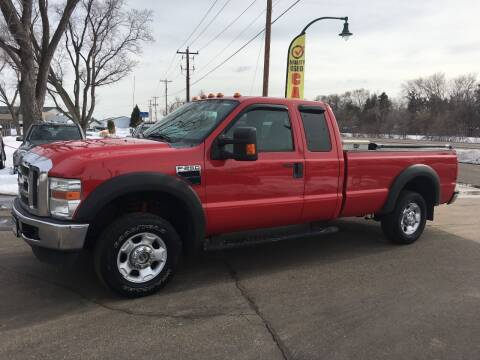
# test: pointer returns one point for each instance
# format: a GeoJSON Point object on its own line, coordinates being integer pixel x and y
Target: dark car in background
{"type": "Point", "coordinates": [45, 133]}
{"type": "Point", "coordinates": [138, 131]}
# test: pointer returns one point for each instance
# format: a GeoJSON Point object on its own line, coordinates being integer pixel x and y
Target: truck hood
{"type": "Point", "coordinates": [85, 150]}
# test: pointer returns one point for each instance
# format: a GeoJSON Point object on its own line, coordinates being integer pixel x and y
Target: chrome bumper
{"type": "Point", "coordinates": [46, 232]}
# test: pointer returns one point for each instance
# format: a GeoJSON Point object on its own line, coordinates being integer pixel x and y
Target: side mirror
{"type": "Point", "coordinates": [244, 145]}
{"type": "Point", "coordinates": [19, 138]}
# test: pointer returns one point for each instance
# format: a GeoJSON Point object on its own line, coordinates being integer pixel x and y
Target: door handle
{"type": "Point", "coordinates": [297, 169]}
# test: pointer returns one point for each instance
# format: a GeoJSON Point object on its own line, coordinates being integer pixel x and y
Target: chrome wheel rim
{"type": "Point", "coordinates": [411, 219]}
{"type": "Point", "coordinates": [142, 257]}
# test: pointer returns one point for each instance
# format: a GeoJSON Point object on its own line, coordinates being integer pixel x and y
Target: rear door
{"type": "Point", "coordinates": [322, 165]}
{"type": "Point", "coordinates": [263, 193]}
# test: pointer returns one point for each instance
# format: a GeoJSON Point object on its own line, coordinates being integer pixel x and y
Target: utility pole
{"type": "Point", "coordinates": [187, 68]}
{"type": "Point", "coordinates": [166, 94]}
{"type": "Point", "coordinates": [155, 104]}
{"type": "Point", "coordinates": [266, 59]}
{"type": "Point", "coordinates": [150, 110]}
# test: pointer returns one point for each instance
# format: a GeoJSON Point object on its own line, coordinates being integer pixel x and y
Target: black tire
{"type": "Point", "coordinates": [393, 225]}
{"type": "Point", "coordinates": [116, 235]}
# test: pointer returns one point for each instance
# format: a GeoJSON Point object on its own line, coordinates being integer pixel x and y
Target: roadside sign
{"type": "Point", "coordinates": [295, 68]}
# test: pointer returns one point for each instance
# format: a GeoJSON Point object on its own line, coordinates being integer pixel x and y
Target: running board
{"type": "Point", "coordinates": [263, 236]}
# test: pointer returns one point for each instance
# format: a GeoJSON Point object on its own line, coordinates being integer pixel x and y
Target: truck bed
{"type": "Point", "coordinates": [369, 174]}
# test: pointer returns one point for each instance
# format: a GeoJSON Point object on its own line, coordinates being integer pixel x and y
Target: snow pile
{"type": "Point", "coordinates": [467, 191]}
{"type": "Point", "coordinates": [468, 156]}
{"type": "Point", "coordinates": [447, 139]}
{"type": "Point", "coordinates": [8, 181]}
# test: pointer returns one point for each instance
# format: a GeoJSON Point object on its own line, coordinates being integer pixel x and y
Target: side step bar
{"type": "Point", "coordinates": [263, 236]}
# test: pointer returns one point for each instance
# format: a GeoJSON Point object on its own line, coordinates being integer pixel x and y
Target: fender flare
{"type": "Point", "coordinates": [407, 175]}
{"type": "Point", "coordinates": [126, 184]}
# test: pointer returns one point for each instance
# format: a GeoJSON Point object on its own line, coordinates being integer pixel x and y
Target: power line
{"type": "Point", "coordinates": [188, 38]}
{"type": "Point", "coordinates": [255, 19]}
{"type": "Point", "coordinates": [228, 26]}
{"type": "Point", "coordinates": [200, 23]}
{"type": "Point", "coordinates": [256, 67]}
{"type": "Point", "coordinates": [245, 45]}
{"type": "Point", "coordinates": [210, 23]}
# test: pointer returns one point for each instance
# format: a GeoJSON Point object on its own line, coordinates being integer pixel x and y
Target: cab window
{"type": "Point", "coordinates": [316, 129]}
{"type": "Point", "coordinates": [274, 130]}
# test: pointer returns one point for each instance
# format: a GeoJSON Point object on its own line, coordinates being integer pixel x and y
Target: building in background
{"type": "Point", "coordinates": [49, 113]}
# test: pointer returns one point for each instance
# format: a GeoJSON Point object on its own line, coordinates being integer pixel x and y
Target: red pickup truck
{"type": "Point", "coordinates": [219, 171]}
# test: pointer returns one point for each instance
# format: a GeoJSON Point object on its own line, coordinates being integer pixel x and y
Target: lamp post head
{"type": "Point", "coordinates": [345, 34]}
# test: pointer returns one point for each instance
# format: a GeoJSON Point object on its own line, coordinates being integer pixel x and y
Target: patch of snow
{"type": "Point", "coordinates": [467, 191]}
{"type": "Point", "coordinates": [8, 181]}
{"type": "Point", "coordinates": [468, 156]}
{"type": "Point", "coordinates": [448, 139]}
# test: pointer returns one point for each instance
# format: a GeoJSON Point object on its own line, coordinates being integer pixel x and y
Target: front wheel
{"type": "Point", "coordinates": [407, 221]}
{"type": "Point", "coordinates": [137, 254]}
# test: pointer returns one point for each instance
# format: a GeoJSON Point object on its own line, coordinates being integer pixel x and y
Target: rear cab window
{"type": "Point", "coordinates": [316, 130]}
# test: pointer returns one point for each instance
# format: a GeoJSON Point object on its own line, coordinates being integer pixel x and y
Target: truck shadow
{"type": "Point", "coordinates": [204, 286]}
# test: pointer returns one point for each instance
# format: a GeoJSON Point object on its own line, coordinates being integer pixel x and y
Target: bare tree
{"type": "Point", "coordinates": [9, 80]}
{"type": "Point", "coordinates": [99, 46]}
{"type": "Point", "coordinates": [30, 49]}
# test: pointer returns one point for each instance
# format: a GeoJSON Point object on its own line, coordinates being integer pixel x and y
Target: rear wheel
{"type": "Point", "coordinates": [407, 221]}
{"type": "Point", "coordinates": [137, 254]}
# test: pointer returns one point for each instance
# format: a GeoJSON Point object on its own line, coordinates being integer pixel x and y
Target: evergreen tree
{"type": "Point", "coordinates": [135, 118]}
{"type": "Point", "coordinates": [111, 127]}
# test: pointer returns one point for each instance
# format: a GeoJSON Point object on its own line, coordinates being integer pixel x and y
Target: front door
{"type": "Point", "coordinates": [263, 193]}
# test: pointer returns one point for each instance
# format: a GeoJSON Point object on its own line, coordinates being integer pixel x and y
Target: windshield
{"type": "Point", "coordinates": [42, 134]}
{"type": "Point", "coordinates": [192, 122]}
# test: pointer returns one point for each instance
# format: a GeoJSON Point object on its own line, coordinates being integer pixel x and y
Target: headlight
{"type": "Point", "coordinates": [64, 197]}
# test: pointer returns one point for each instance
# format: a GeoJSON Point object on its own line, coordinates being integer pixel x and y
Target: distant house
{"type": "Point", "coordinates": [121, 122]}
{"type": "Point", "coordinates": [49, 113]}
{"type": "Point", "coordinates": [95, 124]}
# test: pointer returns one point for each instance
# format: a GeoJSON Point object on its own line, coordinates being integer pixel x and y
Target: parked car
{"type": "Point", "coordinates": [138, 131]}
{"type": "Point", "coordinates": [44, 133]}
{"type": "Point", "coordinates": [217, 173]}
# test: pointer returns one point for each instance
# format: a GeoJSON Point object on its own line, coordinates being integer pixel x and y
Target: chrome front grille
{"type": "Point", "coordinates": [23, 187]}
{"type": "Point", "coordinates": [33, 183]}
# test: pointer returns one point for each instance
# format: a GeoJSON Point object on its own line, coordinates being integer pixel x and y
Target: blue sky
{"type": "Point", "coordinates": [393, 41]}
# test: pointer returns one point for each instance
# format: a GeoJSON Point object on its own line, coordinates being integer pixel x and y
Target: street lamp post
{"type": "Point", "coordinates": [294, 82]}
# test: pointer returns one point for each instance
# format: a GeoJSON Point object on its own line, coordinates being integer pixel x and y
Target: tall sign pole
{"type": "Point", "coordinates": [266, 58]}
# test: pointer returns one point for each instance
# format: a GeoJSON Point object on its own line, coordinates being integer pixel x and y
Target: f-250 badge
{"type": "Point", "coordinates": [191, 173]}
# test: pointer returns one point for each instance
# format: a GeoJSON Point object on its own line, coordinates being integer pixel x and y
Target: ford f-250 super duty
{"type": "Point", "coordinates": [218, 171]}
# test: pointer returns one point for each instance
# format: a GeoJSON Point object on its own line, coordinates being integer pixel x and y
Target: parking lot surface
{"type": "Point", "coordinates": [350, 295]}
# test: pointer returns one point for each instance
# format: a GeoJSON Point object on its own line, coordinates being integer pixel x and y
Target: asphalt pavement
{"type": "Point", "coordinates": [350, 295]}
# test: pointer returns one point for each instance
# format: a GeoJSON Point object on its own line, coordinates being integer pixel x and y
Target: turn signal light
{"type": "Point", "coordinates": [211, 96]}
{"type": "Point", "coordinates": [65, 195]}
{"type": "Point", "coordinates": [251, 149]}
{"type": "Point", "coordinates": [203, 97]}
{"type": "Point", "coordinates": [220, 95]}
{"type": "Point", "coordinates": [195, 98]}
{"type": "Point", "coordinates": [237, 95]}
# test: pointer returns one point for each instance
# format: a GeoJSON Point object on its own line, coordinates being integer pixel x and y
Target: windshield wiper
{"type": "Point", "coordinates": [160, 136]}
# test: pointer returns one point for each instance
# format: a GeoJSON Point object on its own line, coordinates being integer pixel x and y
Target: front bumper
{"type": "Point", "coordinates": [47, 232]}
